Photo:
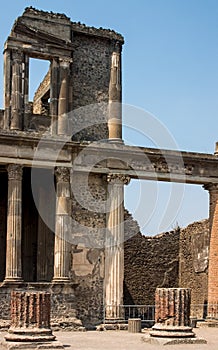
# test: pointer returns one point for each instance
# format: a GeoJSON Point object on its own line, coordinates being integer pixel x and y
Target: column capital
{"type": "Point", "coordinates": [65, 61]}
{"type": "Point", "coordinates": [118, 179]}
{"type": "Point", "coordinates": [211, 187]}
{"type": "Point", "coordinates": [17, 56]}
{"type": "Point", "coordinates": [15, 172]}
{"type": "Point", "coordinates": [62, 174]}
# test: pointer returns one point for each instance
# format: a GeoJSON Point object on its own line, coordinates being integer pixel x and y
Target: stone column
{"type": "Point", "coordinates": [172, 313]}
{"type": "Point", "coordinates": [115, 97]}
{"type": "Point", "coordinates": [62, 226]}
{"type": "Point", "coordinates": [212, 310]}
{"type": "Point", "coordinates": [54, 91]}
{"type": "Point", "coordinates": [7, 87]}
{"type": "Point", "coordinates": [114, 250]}
{"type": "Point", "coordinates": [30, 318]}
{"type": "Point", "coordinates": [63, 125]}
{"type": "Point", "coordinates": [14, 224]}
{"type": "Point", "coordinates": [16, 98]}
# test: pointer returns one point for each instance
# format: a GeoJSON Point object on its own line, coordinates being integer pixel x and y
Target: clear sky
{"type": "Point", "coordinates": [170, 69]}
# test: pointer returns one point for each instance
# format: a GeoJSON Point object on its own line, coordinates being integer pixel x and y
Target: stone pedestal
{"type": "Point", "coordinates": [30, 321]}
{"type": "Point", "coordinates": [134, 325]}
{"type": "Point", "coordinates": [172, 313]}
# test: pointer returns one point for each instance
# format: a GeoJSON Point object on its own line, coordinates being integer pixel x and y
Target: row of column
{"type": "Point", "coordinates": [16, 87]}
{"type": "Point", "coordinates": [14, 225]}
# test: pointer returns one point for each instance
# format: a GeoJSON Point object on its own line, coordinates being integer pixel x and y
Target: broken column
{"type": "Point", "coordinates": [172, 313]}
{"type": "Point", "coordinates": [30, 322]}
{"type": "Point", "coordinates": [114, 250]}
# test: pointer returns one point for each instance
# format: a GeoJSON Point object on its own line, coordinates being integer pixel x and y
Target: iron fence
{"type": "Point", "coordinates": [147, 312]}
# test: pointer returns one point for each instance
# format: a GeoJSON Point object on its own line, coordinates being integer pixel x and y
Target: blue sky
{"type": "Point", "coordinates": [170, 68]}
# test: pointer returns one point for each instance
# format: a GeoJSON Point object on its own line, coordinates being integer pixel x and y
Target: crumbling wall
{"type": "Point", "coordinates": [150, 262]}
{"type": "Point", "coordinates": [193, 264]}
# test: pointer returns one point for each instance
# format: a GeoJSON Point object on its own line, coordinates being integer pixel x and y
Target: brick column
{"type": "Point", "coordinates": [115, 96]}
{"type": "Point", "coordinates": [172, 313]}
{"type": "Point", "coordinates": [114, 250]}
{"type": "Point", "coordinates": [30, 318]}
{"type": "Point", "coordinates": [213, 252]}
{"type": "Point", "coordinates": [14, 224]}
{"type": "Point", "coordinates": [62, 226]}
{"type": "Point", "coordinates": [16, 98]}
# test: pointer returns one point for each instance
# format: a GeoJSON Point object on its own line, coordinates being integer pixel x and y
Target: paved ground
{"type": "Point", "coordinates": [122, 340]}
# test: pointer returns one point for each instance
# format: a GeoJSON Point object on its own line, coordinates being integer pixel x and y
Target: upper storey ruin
{"type": "Point", "coordinates": [85, 69]}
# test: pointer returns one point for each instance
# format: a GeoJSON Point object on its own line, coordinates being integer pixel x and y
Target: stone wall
{"type": "Point", "coordinates": [150, 262]}
{"type": "Point", "coordinates": [193, 264]}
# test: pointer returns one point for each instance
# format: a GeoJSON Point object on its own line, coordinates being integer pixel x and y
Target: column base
{"type": "Point", "coordinates": [13, 280]}
{"type": "Point", "coordinates": [165, 331]}
{"type": "Point", "coordinates": [116, 140]}
{"type": "Point", "coordinates": [61, 280]}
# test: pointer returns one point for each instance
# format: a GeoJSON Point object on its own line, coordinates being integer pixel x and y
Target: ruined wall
{"type": "Point", "coordinates": [88, 246]}
{"type": "Point", "coordinates": [193, 265]}
{"type": "Point", "coordinates": [150, 262]}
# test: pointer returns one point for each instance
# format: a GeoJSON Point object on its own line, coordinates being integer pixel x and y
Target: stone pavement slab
{"type": "Point", "coordinates": [123, 340]}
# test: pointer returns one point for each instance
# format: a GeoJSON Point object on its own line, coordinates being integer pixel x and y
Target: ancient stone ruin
{"type": "Point", "coordinates": [63, 168]}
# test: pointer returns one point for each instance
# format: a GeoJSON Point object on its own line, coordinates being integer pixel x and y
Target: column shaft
{"type": "Point", "coordinates": [16, 102]}
{"type": "Point", "coordinates": [54, 91]}
{"type": "Point", "coordinates": [62, 226]}
{"type": "Point", "coordinates": [7, 88]}
{"type": "Point", "coordinates": [63, 127]}
{"type": "Point", "coordinates": [115, 97]}
{"type": "Point", "coordinates": [114, 250]}
{"type": "Point", "coordinates": [14, 224]}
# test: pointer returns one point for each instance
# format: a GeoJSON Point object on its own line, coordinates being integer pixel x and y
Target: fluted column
{"type": "Point", "coordinates": [16, 102]}
{"type": "Point", "coordinates": [63, 127]}
{"type": "Point", "coordinates": [54, 90]}
{"type": "Point", "coordinates": [30, 318]}
{"type": "Point", "coordinates": [115, 97]}
{"type": "Point", "coordinates": [62, 226]}
{"type": "Point", "coordinates": [213, 252]}
{"type": "Point", "coordinates": [14, 224]}
{"type": "Point", "coordinates": [172, 313]}
{"type": "Point", "coordinates": [7, 87]}
{"type": "Point", "coordinates": [114, 250]}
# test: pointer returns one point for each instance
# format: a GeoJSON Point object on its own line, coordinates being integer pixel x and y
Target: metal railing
{"type": "Point", "coordinates": [147, 312]}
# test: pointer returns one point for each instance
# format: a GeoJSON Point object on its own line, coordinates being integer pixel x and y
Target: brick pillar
{"type": "Point", "coordinates": [172, 313]}
{"type": "Point", "coordinates": [115, 96]}
{"type": "Point", "coordinates": [114, 250]}
{"type": "Point", "coordinates": [30, 317]}
{"type": "Point", "coordinates": [213, 252]}
{"type": "Point", "coordinates": [62, 226]}
{"type": "Point", "coordinates": [14, 224]}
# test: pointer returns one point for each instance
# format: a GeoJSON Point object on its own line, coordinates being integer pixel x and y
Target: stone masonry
{"type": "Point", "coordinates": [63, 168]}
